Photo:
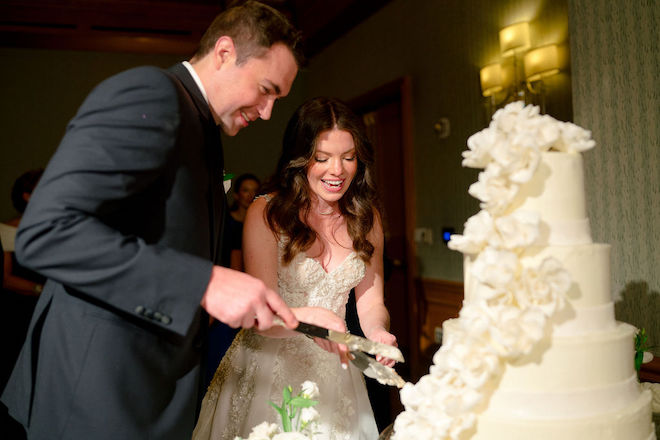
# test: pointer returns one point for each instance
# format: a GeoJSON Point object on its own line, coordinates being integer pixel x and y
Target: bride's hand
{"type": "Point", "coordinates": [379, 334]}
{"type": "Point", "coordinates": [328, 319]}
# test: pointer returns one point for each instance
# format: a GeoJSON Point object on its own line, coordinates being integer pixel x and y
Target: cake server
{"type": "Point", "coordinates": [374, 369]}
{"type": "Point", "coordinates": [353, 342]}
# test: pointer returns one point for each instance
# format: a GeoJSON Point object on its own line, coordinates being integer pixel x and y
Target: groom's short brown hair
{"type": "Point", "coordinates": [254, 27]}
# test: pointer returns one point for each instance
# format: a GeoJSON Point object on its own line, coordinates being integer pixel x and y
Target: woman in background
{"type": "Point", "coordinates": [220, 334]}
{"type": "Point", "coordinates": [245, 189]}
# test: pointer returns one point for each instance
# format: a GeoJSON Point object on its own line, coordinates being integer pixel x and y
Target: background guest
{"type": "Point", "coordinates": [220, 334]}
{"type": "Point", "coordinates": [244, 189]}
{"type": "Point", "coordinates": [18, 296]}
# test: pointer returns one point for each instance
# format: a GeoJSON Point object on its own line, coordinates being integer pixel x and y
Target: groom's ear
{"type": "Point", "coordinates": [224, 52]}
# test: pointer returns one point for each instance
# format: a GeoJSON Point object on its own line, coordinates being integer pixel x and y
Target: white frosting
{"type": "Point", "coordinates": [571, 322]}
{"type": "Point", "coordinates": [564, 232]}
{"type": "Point", "coordinates": [563, 209]}
{"type": "Point", "coordinates": [569, 363]}
{"type": "Point", "coordinates": [565, 404]}
{"type": "Point", "coordinates": [630, 423]}
{"type": "Point", "coordinates": [556, 190]}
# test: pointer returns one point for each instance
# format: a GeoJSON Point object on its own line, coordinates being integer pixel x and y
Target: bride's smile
{"type": "Point", "coordinates": [332, 167]}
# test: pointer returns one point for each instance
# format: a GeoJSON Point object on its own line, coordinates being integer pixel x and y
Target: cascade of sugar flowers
{"type": "Point", "coordinates": [508, 314]}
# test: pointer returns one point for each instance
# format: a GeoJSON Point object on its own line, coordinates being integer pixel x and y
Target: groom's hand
{"type": "Point", "coordinates": [241, 300]}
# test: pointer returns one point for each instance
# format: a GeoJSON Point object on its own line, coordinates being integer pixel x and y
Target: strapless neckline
{"type": "Point", "coordinates": [336, 268]}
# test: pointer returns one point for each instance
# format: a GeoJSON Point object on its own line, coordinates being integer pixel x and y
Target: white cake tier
{"type": "Point", "coordinates": [575, 364]}
{"type": "Point", "coordinates": [564, 367]}
{"type": "Point", "coordinates": [569, 388]}
{"type": "Point", "coordinates": [575, 322]}
{"type": "Point", "coordinates": [556, 192]}
{"type": "Point", "coordinates": [589, 267]}
{"type": "Point", "coordinates": [631, 423]}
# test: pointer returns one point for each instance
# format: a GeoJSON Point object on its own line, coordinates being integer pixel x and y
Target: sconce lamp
{"type": "Point", "coordinates": [541, 62]}
{"type": "Point", "coordinates": [492, 80]}
{"type": "Point", "coordinates": [519, 74]}
{"type": "Point", "coordinates": [514, 38]}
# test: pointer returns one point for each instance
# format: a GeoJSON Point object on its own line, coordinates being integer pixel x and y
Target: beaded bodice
{"type": "Point", "coordinates": [304, 282]}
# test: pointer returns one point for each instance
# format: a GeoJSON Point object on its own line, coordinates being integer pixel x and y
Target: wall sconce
{"type": "Point", "coordinates": [541, 62]}
{"type": "Point", "coordinates": [519, 76]}
{"type": "Point", "coordinates": [514, 38]}
{"type": "Point", "coordinates": [492, 80]}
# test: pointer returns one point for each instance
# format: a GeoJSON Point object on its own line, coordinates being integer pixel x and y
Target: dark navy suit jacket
{"type": "Point", "coordinates": [126, 224]}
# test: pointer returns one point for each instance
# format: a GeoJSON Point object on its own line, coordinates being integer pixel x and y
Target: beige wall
{"type": "Point", "coordinates": [615, 47]}
{"type": "Point", "coordinates": [40, 91]}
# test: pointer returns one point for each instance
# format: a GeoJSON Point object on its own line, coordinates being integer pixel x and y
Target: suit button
{"type": "Point", "coordinates": [166, 320]}
{"type": "Point", "coordinates": [139, 310]}
{"type": "Point", "coordinates": [158, 316]}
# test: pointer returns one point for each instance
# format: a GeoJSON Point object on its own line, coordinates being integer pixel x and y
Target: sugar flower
{"type": "Point", "coordinates": [518, 230]}
{"type": "Point", "coordinates": [495, 268]}
{"type": "Point", "coordinates": [544, 287]}
{"type": "Point", "coordinates": [574, 139]}
{"type": "Point", "coordinates": [476, 233]}
{"type": "Point", "coordinates": [290, 436]}
{"type": "Point", "coordinates": [309, 390]}
{"type": "Point", "coordinates": [495, 191]}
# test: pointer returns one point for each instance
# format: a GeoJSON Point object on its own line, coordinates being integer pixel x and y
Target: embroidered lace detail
{"type": "Point", "coordinates": [304, 282]}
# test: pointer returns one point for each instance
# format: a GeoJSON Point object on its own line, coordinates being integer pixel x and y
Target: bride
{"type": "Point", "coordinates": [314, 236]}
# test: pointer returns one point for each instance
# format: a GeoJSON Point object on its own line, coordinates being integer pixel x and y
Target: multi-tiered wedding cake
{"type": "Point", "coordinates": [535, 352]}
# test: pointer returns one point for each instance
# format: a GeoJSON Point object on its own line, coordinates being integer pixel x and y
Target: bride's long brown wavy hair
{"type": "Point", "coordinates": [291, 201]}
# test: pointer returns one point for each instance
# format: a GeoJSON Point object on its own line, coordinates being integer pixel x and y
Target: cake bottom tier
{"type": "Point", "coordinates": [630, 423]}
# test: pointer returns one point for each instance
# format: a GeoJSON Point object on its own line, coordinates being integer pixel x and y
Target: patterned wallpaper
{"type": "Point", "coordinates": [615, 57]}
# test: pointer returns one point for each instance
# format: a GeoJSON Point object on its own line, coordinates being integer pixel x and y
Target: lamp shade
{"type": "Point", "coordinates": [492, 79]}
{"type": "Point", "coordinates": [541, 62]}
{"type": "Point", "coordinates": [514, 38]}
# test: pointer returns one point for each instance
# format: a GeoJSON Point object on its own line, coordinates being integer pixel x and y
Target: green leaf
{"type": "Point", "coordinates": [303, 402]}
{"type": "Point", "coordinates": [281, 411]}
{"type": "Point", "coordinates": [639, 356]}
{"type": "Point", "coordinates": [286, 395]}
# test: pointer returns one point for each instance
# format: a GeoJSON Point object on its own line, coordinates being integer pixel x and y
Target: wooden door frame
{"type": "Point", "coordinates": [400, 90]}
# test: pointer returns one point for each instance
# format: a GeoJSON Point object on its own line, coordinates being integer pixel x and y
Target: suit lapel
{"type": "Point", "coordinates": [217, 202]}
{"type": "Point", "coordinates": [180, 71]}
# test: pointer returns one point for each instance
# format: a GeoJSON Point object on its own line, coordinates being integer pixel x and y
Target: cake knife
{"type": "Point", "coordinates": [353, 342]}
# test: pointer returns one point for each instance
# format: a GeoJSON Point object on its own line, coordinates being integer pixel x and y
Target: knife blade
{"type": "Point", "coordinates": [353, 342]}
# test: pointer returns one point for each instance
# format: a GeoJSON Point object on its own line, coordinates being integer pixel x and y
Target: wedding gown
{"type": "Point", "coordinates": [256, 369]}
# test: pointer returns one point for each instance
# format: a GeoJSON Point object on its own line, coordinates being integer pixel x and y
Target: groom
{"type": "Point", "coordinates": [126, 224]}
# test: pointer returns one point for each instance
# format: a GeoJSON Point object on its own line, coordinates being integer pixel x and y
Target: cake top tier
{"type": "Point", "coordinates": [510, 151]}
{"type": "Point", "coordinates": [532, 187]}
{"type": "Point", "coordinates": [556, 193]}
